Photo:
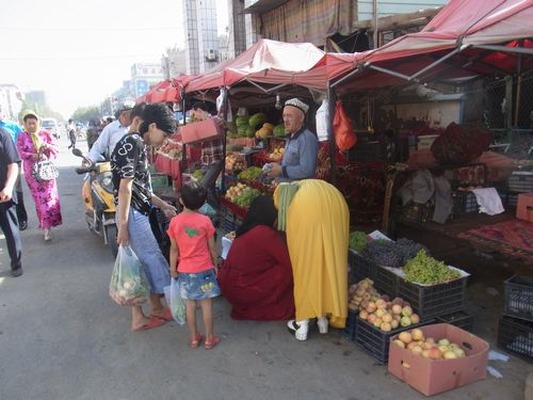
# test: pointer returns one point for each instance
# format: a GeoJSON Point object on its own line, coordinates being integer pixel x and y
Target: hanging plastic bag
{"type": "Point", "coordinates": [322, 121]}
{"type": "Point", "coordinates": [129, 285]}
{"type": "Point", "coordinates": [177, 305]}
{"type": "Point", "coordinates": [345, 137]}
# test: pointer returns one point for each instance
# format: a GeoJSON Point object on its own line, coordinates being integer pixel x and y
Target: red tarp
{"type": "Point", "coordinates": [273, 62]}
{"type": "Point", "coordinates": [451, 45]}
{"type": "Point", "coordinates": [167, 90]}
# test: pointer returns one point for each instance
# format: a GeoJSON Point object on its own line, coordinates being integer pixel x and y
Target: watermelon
{"type": "Point", "coordinates": [257, 120]}
{"type": "Point", "coordinates": [242, 121]}
{"type": "Point", "coordinates": [279, 130]}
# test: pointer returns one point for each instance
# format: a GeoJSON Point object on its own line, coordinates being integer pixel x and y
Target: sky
{"type": "Point", "coordinates": [79, 52]}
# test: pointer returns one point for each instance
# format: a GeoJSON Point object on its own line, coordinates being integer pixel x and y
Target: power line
{"type": "Point", "coordinates": [74, 58]}
{"type": "Point", "coordinates": [87, 29]}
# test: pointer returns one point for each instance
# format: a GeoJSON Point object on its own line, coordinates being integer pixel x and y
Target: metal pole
{"type": "Point", "coordinates": [375, 13]}
{"type": "Point", "coordinates": [509, 101]}
{"type": "Point", "coordinates": [518, 90]}
{"type": "Point", "coordinates": [331, 135]}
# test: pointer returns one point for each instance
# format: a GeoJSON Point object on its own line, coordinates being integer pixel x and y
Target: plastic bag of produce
{"type": "Point", "coordinates": [129, 285]}
{"type": "Point", "coordinates": [177, 305]}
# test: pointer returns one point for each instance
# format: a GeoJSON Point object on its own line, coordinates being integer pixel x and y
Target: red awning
{"type": "Point", "coordinates": [467, 37]}
{"type": "Point", "coordinates": [267, 61]}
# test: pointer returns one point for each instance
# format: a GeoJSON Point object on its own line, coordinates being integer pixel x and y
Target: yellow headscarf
{"type": "Point", "coordinates": [35, 138]}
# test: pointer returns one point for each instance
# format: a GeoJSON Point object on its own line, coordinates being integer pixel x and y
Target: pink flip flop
{"type": "Point", "coordinates": [209, 344]}
{"type": "Point", "coordinates": [195, 342]}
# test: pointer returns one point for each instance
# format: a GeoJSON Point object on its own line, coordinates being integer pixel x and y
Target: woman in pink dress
{"type": "Point", "coordinates": [33, 145]}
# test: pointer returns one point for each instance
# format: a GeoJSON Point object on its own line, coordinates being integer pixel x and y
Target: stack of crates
{"type": "Point", "coordinates": [442, 303]}
{"type": "Point", "coordinates": [515, 333]}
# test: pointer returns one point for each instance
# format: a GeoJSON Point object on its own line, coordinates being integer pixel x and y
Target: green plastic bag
{"type": "Point", "coordinates": [129, 284]}
{"type": "Point", "coordinates": [177, 305]}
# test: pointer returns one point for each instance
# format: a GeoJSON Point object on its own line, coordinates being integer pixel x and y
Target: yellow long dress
{"type": "Point", "coordinates": [317, 230]}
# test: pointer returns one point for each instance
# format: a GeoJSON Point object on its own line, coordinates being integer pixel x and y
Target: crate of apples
{"type": "Point", "coordinates": [428, 347]}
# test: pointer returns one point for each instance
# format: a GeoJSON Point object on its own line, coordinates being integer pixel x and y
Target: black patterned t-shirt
{"type": "Point", "coordinates": [129, 161]}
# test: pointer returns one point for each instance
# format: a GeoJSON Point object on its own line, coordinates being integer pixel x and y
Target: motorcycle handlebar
{"type": "Point", "coordinates": [83, 170]}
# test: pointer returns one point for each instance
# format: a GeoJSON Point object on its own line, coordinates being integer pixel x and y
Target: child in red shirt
{"type": "Point", "coordinates": [193, 257]}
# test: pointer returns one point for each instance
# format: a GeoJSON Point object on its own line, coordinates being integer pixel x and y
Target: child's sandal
{"type": "Point", "coordinates": [209, 344]}
{"type": "Point", "coordinates": [195, 341]}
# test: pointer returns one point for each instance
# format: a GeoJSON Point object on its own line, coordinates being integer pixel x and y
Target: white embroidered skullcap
{"type": "Point", "coordinates": [298, 104]}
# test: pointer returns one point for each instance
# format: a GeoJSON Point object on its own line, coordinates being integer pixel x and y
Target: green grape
{"type": "Point", "coordinates": [427, 270]}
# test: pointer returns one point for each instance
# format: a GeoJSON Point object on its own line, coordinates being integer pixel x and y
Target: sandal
{"type": "Point", "coordinates": [209, 344]}
{"type": "Point", "coordinates": [195, 341]}
{"type": "Point", "coordinates": [166, 315]}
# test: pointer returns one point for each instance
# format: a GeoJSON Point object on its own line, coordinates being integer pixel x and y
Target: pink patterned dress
{"type": "Point", "coordinates": [45, 194]}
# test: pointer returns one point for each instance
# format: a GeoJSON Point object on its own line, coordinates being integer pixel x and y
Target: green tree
{"type": "Point", "coordinates": [85, 114]}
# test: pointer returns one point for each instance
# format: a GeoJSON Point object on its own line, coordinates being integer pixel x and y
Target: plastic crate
{"type": "Point", "coordinates": [464, 203]}
{"type": "Point", "coordinates": [229, 221]}
{"type": "Point", "coordinates": [386, 282]}
{"type": "Point", "coordinates": [360, 267]}
{"type": "Point", "coordinates": [416, 213]}
{"type": "Point", "coordinates": [367, 151]}
{"type": "Point", "coordinates": [375, 341]}
{"type": "Point", "coordinates": [461, 319]}
{"type": "Point", "coordinates": [519, 297]}
{"type": "Point", "coordinates": [159, 180]}
{"type": "Point", "coordinates": [516, 336]}
{"type": "Point", "coordinates": [351, 320]}
{"type": "Point", "coordinates": [434, 301]}
{"type": "Point", "coordinates": [520, 181]}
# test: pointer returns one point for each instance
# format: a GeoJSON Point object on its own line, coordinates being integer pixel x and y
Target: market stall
{"type": "Point", "coordinates": [397, 88]}
{"type": "Point", "coordinates": [255, 84]}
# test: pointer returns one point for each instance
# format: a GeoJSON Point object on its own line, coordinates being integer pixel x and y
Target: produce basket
{"type": "Point", "coordinates": [376, 341]}
{"type": "Point", "coordinates": [229, 221]}
{"type": "Point", "coordinates": [385, 281]}
{"type": "Point", "coordinates": [434, 301]}
{"type": "Point", "coordinates": [464, 202]}
{"type": "Point", "coordinates": [520, 181]}
{"type": "Point", "coordinates": [516, 336]}
{"type": "Point", "coordinates": [519, 297]}
{"type": "Point", "coordinates": [351, 320]}
{"type": "Point", "coordinates": [360, 267]}
{"type": "Point", "coordinates": [461, 319]}
{"type": "Point", "coordinates": [432, 377]}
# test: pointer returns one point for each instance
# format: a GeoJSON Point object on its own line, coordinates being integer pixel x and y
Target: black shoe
{"type": "Point", "coordinates": [16, 272]}
{"type": "Point", "coordinates": [23, 225]}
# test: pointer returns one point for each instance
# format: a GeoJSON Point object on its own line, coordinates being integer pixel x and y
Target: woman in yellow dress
{"type": "Point", "coordinates": [315, 217]}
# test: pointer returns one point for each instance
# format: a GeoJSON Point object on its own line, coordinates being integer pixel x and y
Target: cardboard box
{"type": "Point", "coordinates": [524, 207]}
{"type": "Point", "coordinates": [198, 131]}
{"type": "Point", "coordinates": [436, 376]}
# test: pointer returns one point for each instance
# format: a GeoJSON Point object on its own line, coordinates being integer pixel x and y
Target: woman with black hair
{"type": "Point", "coordinates": [256, 277]}
{"type": "Point", "coordinates": [131, 179]}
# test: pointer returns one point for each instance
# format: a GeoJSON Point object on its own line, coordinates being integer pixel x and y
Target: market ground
{"type": "Point", "coordinates": [61, 337]}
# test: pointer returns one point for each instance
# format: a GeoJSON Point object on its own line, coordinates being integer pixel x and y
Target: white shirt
{"type": "Point", "coordinates": [105, 144]}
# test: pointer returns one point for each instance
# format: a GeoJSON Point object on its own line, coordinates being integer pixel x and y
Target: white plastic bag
{"type": "Point", "coordinates": [322, 121]}
{"type": "Point", "coordinates": [177, 305]}
{"type": "Point", "coordinates": [129, 285]}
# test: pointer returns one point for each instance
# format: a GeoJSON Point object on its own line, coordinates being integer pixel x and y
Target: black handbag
{"type": "Point", "coordinates": [44, 170]}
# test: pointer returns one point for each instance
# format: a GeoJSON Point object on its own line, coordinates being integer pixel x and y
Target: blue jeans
{"type": "Point", "coordinates": [145, 246]}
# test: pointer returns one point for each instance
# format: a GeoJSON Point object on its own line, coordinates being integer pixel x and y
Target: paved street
{"type": "Point", "coordinates": [61, 337]}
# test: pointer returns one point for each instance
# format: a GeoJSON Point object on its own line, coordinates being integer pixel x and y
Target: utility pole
{"type": "Point", "coordinates": [376, 27]}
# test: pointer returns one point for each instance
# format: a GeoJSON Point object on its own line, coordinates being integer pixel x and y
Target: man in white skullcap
{"type": "Point", "coordinates": [300, 157]}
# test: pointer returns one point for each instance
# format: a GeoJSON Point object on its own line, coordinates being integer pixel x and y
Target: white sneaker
{"type": "Point", "coordinates": [47, 236]}
{"type": "Point", "coordinates": [300, 328]}
{"type": "Point", "coordinates": [323, 324]}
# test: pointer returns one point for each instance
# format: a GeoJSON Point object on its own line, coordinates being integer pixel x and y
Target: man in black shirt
{"type": "Point", "coordinates": [9, 171]}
